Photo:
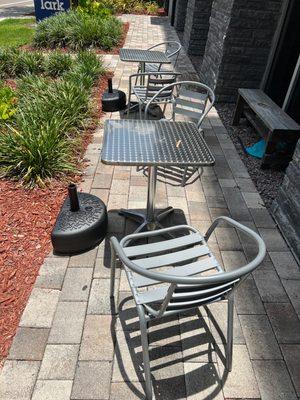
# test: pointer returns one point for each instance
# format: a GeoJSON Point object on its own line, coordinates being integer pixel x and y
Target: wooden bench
{"type": "Point", "coordinates": [278, 129]}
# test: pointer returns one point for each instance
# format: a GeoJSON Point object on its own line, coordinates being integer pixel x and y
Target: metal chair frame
{"type": "Point", "coordinates": [177, 176]}
{"type": "Point", "coordinates": [151, 67]}
{"type": "Point", "coordinates": [183, 107]}
{"type": "Point", "coordinates": [156, 82]}
{"type": "Point", "coordinates": [185, 290]}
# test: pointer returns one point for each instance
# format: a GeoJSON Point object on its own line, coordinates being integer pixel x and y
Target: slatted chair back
{"type": "Point", "coordinates": [182, 273]}
{"type": "Point", "coordinates": [152, 84]}
{"type": "Point", "coordinates": [172, 50]}
{"type": "Point", "coordinates": [158, 83]}
{"type": "Point", "coordinates": [193, 100]}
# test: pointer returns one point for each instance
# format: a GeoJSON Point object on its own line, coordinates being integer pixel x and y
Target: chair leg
{"type": "Point", "coordinates": [164, 108]}
{"type": "Point", "coordinates": [112, 271]}
{"type": "Point", "coordinates": [145, 347]}
{"type": "Point", "coordinates": [229, 333]}
{"type": "Point", "coordinates": [140, 111]}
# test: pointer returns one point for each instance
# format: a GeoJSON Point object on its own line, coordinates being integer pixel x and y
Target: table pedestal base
{"type": "Point", "coordinates": [146, 223]}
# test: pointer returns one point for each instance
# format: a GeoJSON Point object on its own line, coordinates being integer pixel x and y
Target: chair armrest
{"type": "Point", "coordinates": [249, 232]}
{"type": "Point", "coordinates": [157, 232]}
{"type": "Point", "coordinates": [213, 279]}
{"type": "Point", "coordinates": [159, 73]}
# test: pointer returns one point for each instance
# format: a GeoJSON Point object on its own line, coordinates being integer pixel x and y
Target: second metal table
{"type": "Point", "coordinates": [144, 56]}
{"type": "Point", "coordinates": [153, 143]}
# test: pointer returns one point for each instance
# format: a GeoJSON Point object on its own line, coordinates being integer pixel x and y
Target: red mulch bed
{"type": "Point", "coordinates": [26, 220]}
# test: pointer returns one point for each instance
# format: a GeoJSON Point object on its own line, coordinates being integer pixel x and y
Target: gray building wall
{"type": "Point", "coordinates": [196, 26]}
{"type": "Point", "coordinates": [238, 44]}
{"type": "Point", "coordinates": [286, 207]}
{"type": "Point", "coordinates": [180, 14]}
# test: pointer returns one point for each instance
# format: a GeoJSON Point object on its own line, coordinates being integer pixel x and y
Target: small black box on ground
{"type": "Point", "coordinates": [81, 223]}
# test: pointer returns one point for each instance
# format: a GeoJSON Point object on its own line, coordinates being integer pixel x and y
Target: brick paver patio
{"type": "Point", "coordinates": [71, 344]}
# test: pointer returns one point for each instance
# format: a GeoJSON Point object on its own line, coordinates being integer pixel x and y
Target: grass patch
{"type": "Point", "coordinates": [43, 138]}
{"type": "Point", "coordinates": [16, 32]}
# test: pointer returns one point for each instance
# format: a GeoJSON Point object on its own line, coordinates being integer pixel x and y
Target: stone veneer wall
{"type": "Point", "coordinates": [170, 9]}
{"type": "Point", "coordinates": [238, 44]}
{"type": "Point", "coordinates": [286, 207]}
{"type": "Point", "coordinates": [196, 26]}
{"type": "Point", "coordinates": [180, 14]}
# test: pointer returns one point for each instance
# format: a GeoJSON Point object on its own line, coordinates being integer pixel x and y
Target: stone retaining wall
{"type": "Point", "coordinates": [238, 44]}
{"type": "Point", "coordinates": [287, 204]}
{"type": "Point", "coordinates": [180, 14]}
{"type": "Point", "coordinates": [196, 26]}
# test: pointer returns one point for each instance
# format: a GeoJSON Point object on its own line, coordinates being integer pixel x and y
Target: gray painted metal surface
{"type": "Point", "coordinates": [140, 55]}
{"type": "Point", "coordinates": [138, 142]}
{"type": "Point", "coordinates": [153, 266]}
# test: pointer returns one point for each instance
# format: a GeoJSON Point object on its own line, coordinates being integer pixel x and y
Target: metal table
{"type": "Point", "coordinates": [144, 56]}
{"type": "Point", "coordinates": [153, 143]}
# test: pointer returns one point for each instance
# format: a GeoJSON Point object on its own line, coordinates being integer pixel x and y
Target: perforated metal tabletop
{"type": "Point", "coordinates": [147, 56]}
{"type": "Point", "coordinates": [137, 142]}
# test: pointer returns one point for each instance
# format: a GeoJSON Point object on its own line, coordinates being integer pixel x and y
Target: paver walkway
{"type": "Point", "coordinates": [70, 345]}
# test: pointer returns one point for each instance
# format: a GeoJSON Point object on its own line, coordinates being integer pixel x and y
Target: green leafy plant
{"type": "Point", "coordinates": [98, 8]}
{"type": "Point", "coordinates": [8, 60]}
{"type": "Point", "coordinates": [15, 62]}
{"type": "Point", "coordinates": [78, 30]}
{"type": "Point", "coordinates": [34, 157]}
{"type": "Point", "coordinates": [8, 102]}
{"type": "Point", "coordinates": [45, 135]}
{"type": "Point", "coordinates": [128, 6]}
{"type": "Point", "coordinates": [29, 63]}
{"type": "Point", "coordinates": [57, 63]}
{"type": "Point", "coordinates": [152, 8]}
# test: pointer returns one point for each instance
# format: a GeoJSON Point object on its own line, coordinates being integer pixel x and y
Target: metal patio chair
{"type": "Point", "coordinates": [191, 100]}
{"type": "Point", "coordinates": [154, 86]}
{"type": "Point", "coordinates": [193, 277]}
{"type": "Point", "coordinates": [171, 50]}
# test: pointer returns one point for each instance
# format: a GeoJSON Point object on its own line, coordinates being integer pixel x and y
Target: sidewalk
{"type": "Point", "coordinates": [70, 345]}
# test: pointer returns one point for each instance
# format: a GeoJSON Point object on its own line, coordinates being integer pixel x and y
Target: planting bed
{"type": "Point", "coordinates": [27, 215]}
{"type": "Point", "coordinates": [114, 50]}
{"type": "Point", "coordinates": [26, 220]}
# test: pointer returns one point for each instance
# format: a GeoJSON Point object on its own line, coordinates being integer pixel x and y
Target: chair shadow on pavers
{"type": "Point", "coordinates": [182, 354]}
{"type": "Point", "coordinates": [120, 226]}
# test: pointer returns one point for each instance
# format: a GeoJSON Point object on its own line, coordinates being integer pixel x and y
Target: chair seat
{"type": "Point", "coordinates": [143, 95]}
{"type": "Point", "coordinates": [152, 67]}
{"type": "Point", "coordinates": [159, 68]}
{"type": "Point", "coordinates": [187, 255]}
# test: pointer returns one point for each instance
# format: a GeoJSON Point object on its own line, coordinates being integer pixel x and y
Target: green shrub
{"type": "Point", "coordinates": [14, 62]}
{"type": "Point", "coordinates": [139, 8]}
{"type": "Point", "coordinates": [57, 63]}
{"type": "Point", "coordinates": [78, 30]}
{"type": "Point", "coordinates": [29, 63]}
{"type": "Point", "coordinates": [152, 8]}
{"type": "Point", "coordinates": [7, 103]}
{"type": "Point", "coordinates": [33, 157]}
{"type": "Point", "coordinates": [8, 61]}
{"type": "Point", "coordinates": [98, 8]}
{"type": "Point", "coordinates": [86, 70]}
{"type": "Point", "coordinates": [45, 135]}
{"type": "Point", "coordinates": [128, 6]}
{"type": "Point", "coordinates": [61, 104]}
